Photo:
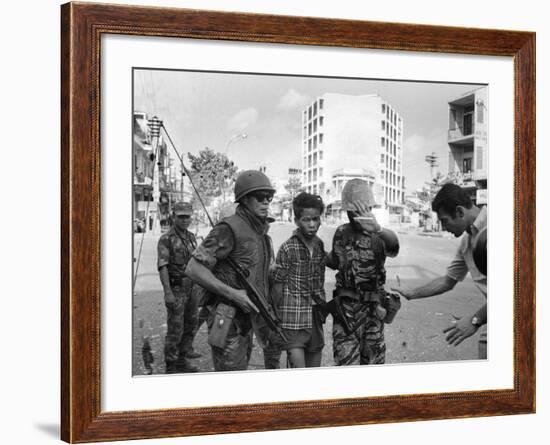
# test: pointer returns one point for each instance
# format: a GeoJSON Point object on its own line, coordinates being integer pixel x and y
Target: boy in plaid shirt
{"type": "Point", "coordinates": [299, 280]}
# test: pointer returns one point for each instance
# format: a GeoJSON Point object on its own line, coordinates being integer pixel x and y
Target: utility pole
{"type": "Point", "coordinates": [154, 126]}
{"type": "Point", "coordinates": [431, 159]}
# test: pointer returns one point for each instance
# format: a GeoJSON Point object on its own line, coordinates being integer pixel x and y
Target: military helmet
{"type": "Point", "coordinates": [250, 181]}
{"type": "Point", "coordinates": [357, 190]}
{"type": "Point", "coordinates": [182, 208]}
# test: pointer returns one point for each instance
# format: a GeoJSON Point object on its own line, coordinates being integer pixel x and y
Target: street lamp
{"type": "Point", "coordinates": [233, 139]}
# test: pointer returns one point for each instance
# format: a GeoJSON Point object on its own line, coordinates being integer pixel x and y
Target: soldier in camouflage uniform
{"type": "Point", "coordinates": [174, 250]}
{"type": "Point", "coordinates": [359, 252]}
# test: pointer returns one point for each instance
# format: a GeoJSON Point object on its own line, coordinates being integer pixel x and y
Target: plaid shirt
{"type": "Point", "coordinates": [302, 275]}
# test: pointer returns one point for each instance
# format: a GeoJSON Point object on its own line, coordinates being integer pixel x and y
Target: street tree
{"type": "Point", "coordinates": [212, 173]}
{"type": "Point", "coordinates": [294, 185]}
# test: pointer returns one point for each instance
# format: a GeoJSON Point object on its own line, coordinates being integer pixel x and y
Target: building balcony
{"type": "Point", "coordinates": [461, 134]}
{"type": "Point", "coordinates": [460, 178]}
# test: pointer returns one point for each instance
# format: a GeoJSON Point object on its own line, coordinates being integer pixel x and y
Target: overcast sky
{"type": "Point", "coordinates": [208, 109]}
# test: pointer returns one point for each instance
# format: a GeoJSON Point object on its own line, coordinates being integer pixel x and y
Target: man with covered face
{"type": "Point", "coordinates": [359, 251]}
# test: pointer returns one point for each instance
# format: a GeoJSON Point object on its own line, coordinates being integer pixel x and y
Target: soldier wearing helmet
{"type": "Point", "coordinates": [359, 251]}
{"type": "Point", "coordinates": [174, 250]}
{"type": "Point", "coordinates": [243, 238]}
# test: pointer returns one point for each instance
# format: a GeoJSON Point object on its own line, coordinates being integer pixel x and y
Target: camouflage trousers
{"type": "Point", "coordinates": [182, 324]}
{"type": "Point", "coordinates": [365, 345]}
{"type": "Point", "coordinates": [236, 354]}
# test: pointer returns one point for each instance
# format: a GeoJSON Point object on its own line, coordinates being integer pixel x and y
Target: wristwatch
{"type": "Point", "coordinates": [476, 321]}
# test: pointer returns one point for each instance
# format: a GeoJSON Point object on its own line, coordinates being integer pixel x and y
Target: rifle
{"type": "Point", "coordinates": [334, 308]}
{"type": "Point", "coordinates": [255, 295]}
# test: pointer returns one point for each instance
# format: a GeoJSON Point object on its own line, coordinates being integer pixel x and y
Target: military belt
{"type": "Point", "coordinates": [362, 296]}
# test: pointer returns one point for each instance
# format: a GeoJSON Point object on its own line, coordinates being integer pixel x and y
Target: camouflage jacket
{"type": "Point", "coordinates": [359, 258]}
{"type": "Point", "coordinates": [174, 250]}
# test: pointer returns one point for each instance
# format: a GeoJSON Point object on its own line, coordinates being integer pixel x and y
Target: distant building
{"type": "Point", "coordinates": [345, 137]}
{"type": "Point", "coordinates": [467, 139]}
{"type": "Point", "coordinates": [169, 181]}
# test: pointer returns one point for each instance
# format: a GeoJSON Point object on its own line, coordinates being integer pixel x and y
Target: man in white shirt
{"type": "Point", "coordinates": [458, 214]}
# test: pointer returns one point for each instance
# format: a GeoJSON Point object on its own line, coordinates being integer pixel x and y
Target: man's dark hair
{"type": "Point", "coordinates": [307, 201]}
{"type": "Point", "coordinates": [449, 197]}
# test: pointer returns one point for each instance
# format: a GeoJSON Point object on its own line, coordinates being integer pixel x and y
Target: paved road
{"type": "Point", "coordinates": [414, 336]}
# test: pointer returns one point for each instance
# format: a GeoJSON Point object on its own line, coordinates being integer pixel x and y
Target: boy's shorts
{"type": "Point", "coordinates": [308, 339]}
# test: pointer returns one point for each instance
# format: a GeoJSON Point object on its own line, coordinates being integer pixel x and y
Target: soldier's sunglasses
{"type": "Point", "coordinates": [262, 196]}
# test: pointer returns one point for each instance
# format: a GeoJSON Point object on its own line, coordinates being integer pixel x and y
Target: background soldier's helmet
{"type": "Point", "coordinates": [251, 181]}
{"type": "Point", "coordinates": [480, 251]}
{"type": "Point", "coordinates": [357, 190]}
{"type": "Point", "coordinates": [182, 208]}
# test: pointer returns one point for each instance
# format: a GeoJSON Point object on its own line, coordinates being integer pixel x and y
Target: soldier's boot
{"type": "Point", "coordinates": [182, 365]}
{"type": "Point", "coordinates": [171, 368]}
{"type": "Point", "coordinates": [192, 354]}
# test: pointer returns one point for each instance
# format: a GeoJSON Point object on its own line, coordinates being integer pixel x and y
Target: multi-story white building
{"type": "Point", "coordinates": [467, 141]}
{"type": "Point", "coordinates": [345, 137]}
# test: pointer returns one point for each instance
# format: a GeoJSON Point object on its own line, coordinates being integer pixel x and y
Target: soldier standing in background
{"type": "Point", "coordinates": [174, 250]}
{"type": "Point", "coordinates": [359, 251]}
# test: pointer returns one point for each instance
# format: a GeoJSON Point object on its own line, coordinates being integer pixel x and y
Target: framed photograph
{"type": "Point", "coordinates": [177, 124]}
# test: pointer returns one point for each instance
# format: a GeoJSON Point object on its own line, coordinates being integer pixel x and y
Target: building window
{"type": "Point", "coordinates": [479, 160]}
{"type": "Point", "coordinates": [309, 161]}
{"type": "Point", "coordinates": [383, 140]}
{"type": "Point", "coordinates": [383, 125]}
{"type": "Point", "coordinates": [480, 112]}
{"type": "Point", "coordinates": [309, 145]}
{"type": "Point", "coordinates": [467, 165]}
{"type": "Point", "coordinates": [315, 142]}
{"type": "Point", "coordinates": [382, 158]}
{"type": "Point", "coordinates": [315, 109]}
{"type": "Point", "coordinates": [315, 126]}
{"type": "Point", "coordinates": [321, 155]}
{"type": "Point", "coordinates": [383, 108]}
{"type": "Point", "coordinates": [314, 159]}
{"type": "Point", "coordinates": [309, 113]}
{"type": "Point", "coordinates": [309, 176]}
{"type": "Point", "coordinates": [320, 138]}
{"type": "Point", "coordinates": [321, 102]}
{"type": "Point", "coordinates": [321, 172]}
{"type": "Point", "coordinates": [309, 130]}
{"type": "Point", "coordinates": [314, 174]}
{"type": "Point", "coordinates": [321, 120]}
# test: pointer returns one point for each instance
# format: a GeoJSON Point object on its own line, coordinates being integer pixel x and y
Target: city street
{"type": "Point", "coordinates": [414, 336]}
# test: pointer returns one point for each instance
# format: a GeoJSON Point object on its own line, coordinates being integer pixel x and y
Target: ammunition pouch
{"type": "Point", "coordinates": [223, 320]}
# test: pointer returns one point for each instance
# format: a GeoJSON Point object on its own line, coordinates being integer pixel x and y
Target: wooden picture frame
{"type": "Point", "coordinates": [82, 26]}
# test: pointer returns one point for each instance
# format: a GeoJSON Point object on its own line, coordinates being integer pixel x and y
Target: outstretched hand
{"type": "Point", "coordinates": [459, 330]}
{"type": "Point", "coordinates": [407, 295]}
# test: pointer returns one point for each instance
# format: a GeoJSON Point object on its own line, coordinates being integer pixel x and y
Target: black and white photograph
{"type": "Point", "coordinates": [285, 221]}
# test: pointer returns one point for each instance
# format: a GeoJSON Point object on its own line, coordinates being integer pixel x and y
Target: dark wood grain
{"type": "Point", "coordinates": [82, 26]}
